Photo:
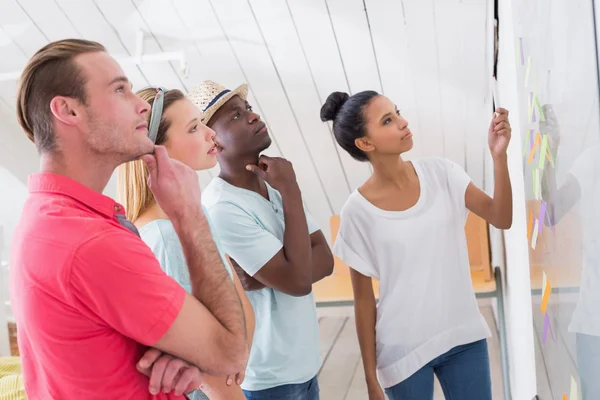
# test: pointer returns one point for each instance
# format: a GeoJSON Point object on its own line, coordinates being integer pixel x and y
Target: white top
{"type": "Point", "coordinates": [285, 348]}
{"type": "Point", "coordinates": [586, 169]}
{"type": "Point", "coordinates": [427, 304]}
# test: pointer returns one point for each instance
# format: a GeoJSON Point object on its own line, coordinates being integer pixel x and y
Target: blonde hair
{"type": "Point", "coordinates": [133, 191]}
{"type": "Point", "coordinates": [49, 73]}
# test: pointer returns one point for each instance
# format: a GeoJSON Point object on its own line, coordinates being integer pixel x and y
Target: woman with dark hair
{"type": "Point", "coordinates": [405, 227]}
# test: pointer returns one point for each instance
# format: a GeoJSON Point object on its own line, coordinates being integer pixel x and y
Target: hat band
{"type": "Point", "coordinates": [213, 101]}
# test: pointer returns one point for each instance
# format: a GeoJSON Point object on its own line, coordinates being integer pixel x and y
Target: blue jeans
{"type": "Point", "coordinates": [302, 391]}
{"type": "Point", "coordinates": [463, 372]}
{"type": "Point", "coordinates": [588, 363]}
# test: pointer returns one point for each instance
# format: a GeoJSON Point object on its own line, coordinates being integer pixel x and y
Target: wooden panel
{"type": "Point", "coordinates": [454, 53]}
{"type": "Point", "coordinates": [49, 18]}
{"type": "Point", "coordinates": [423, 55]}
{"type": "Point", "coordinates": [478, 105]}
{"type": "Point", "coordinates": [89, 23]}
{"type": "Point", "coordinates": [124, 17]}
{"type": "Point", "coordinates": [16, 23]}
{"type": "Point", "coordinates": [352, 31]}
{"type": "Point", "coordinates": [277, 27]}
{"type": "Point", "coordinates": [19, 155]}
{"type": "Point", "coordinates": [238, 21]}
{"type": "Point", "coordinates": [320, 44]}
{"type": "Point", "coordinates": [391, 43]}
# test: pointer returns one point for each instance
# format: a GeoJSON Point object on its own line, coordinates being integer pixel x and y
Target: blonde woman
{"type": "Point", "coordinates": [175, 124]}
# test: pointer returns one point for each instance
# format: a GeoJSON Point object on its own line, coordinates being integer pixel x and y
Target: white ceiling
{"type": "Point", "coordinates": [431, 57]}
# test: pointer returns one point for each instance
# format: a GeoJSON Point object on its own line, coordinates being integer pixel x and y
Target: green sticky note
{"type": "Point", "coordinates": [537, 103]}
{"type": "Point", "coordinates": [542, 161]}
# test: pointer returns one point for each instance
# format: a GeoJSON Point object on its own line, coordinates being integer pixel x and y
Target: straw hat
{"type": "Point", "coordinates": [209, 96]}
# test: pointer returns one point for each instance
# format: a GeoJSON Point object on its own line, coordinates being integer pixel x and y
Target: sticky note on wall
{"type": "Point", "coordinates": [539, 107]}
{"type": "Point", "coordinates": [538, 139]}
{"type": "Point", "coordinates": [543, 152]}
{"type": "Point", "coordinates": [546, 290]}
{"type": "Point", "coordinates": [534, 234]}
{"type": "Point", "coordinates": [574, 391]}
{"type": "Point", "coordinates": [521, 51]}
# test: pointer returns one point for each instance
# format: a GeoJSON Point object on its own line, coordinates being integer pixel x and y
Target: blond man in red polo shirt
{"type": "Point", "coordinates": [88, 295]}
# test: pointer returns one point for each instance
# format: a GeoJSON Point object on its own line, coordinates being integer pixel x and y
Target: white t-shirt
{"type": "Point", "coordinates": [427, 304]}
{"type": "Point", "coordinates": [586, 169]}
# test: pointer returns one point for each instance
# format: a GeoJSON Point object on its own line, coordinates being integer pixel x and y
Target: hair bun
{"type": "Point", "coordinates": [332, 105]}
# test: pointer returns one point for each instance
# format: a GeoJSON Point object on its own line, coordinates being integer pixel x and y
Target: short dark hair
{"type": "Point", "coordinates": [347, 114]}
{"type": "Point", "coordinates": [49, 73]}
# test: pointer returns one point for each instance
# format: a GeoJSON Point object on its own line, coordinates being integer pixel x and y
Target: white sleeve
{"type": "Point", "coordinates": [352, 250]}
{"type": "Point", "coordinates": [243, 238]}
{"type": "Point", "coordinates": [458, 181]}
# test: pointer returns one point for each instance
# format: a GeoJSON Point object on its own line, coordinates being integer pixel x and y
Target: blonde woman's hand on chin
{"type": "Point", "coordinates": [174, 185]}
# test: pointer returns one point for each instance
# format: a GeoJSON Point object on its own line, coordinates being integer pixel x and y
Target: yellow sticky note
{"type": "Point", "coordinates": [546, 290]}
{"type": "Point", "coordinates": [527, 71]}
{"type": "Point", "coordinates": [529, 225]}
{"type": "Point", "coordinates": [535, 145]}
{"type": "Point", "coordinates": [565, 396]}
{"type": "Point", "coordinates": [574, 391]}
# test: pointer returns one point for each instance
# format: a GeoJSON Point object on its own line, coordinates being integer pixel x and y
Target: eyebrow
{"type": "Point", "coordinates": [122, 79]}
{"type": "Point", "coordinates": [388, 114]}
{"type": "Point", "coordinates": [385, 116]}
{"type": "Point", "coordinates": [192, 121]}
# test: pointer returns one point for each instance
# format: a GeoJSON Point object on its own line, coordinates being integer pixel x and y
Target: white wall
{"type": "Point", "coordinates": [519, 322]}
{"type": "Point", "coordinates": [13, 193]}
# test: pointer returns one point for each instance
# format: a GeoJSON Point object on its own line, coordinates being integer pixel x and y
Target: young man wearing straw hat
{"type": "Point", "coordinates": [277, 248]}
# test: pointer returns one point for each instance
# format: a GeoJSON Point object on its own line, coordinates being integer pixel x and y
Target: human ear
{"type": "Point", "coordinates": [66, 110]}
{"type": "Point", "coordinates": [364, 144]}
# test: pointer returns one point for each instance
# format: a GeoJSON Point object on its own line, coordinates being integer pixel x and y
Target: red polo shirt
{"type": "Point", "coordinates": [87, 294]}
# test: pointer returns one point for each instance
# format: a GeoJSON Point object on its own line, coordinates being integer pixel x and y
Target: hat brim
{"type": "Point", "coordinates": [241, 91]}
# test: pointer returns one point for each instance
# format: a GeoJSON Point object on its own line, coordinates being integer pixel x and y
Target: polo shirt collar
{"type": "Point", "coordinates": [45, 182]}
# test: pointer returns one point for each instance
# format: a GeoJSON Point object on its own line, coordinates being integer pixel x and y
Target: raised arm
{"type": "Point", "coordinates": [209, 330]}
{"type": "Point", "coordinates": [497, 210]}
{"type": "Point", "coordinates": [290, 270]}
{"type": "Point", "coordinates": [365, 312]}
